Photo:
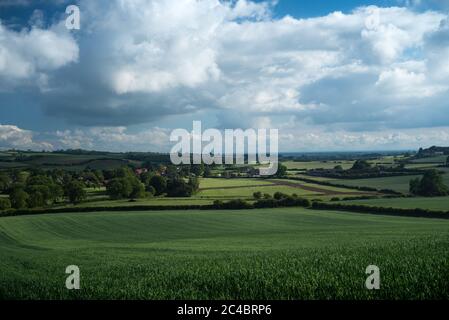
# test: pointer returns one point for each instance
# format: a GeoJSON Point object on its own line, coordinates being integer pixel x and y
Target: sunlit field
{"type": "Point", "coordinates": [245, 254]}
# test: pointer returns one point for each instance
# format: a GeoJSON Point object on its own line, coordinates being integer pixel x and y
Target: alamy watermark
{"type": "Point", "coordinates": [72, 282]}
{"type": "Point", "coordinates": [210, 147]}
{"type": "Point", "coordinates": [373, 280]}
{"type": "Point", "coordinates": [73, 21]}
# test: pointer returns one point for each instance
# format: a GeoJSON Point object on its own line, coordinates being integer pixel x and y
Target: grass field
{"type": "Point", "coordinates": [400, 183]}
{"type": "Point", "coordinates": [309, 165]}
{"type": "Point", "coordinates": [146, 202]}
{"type": "Point", "coordinates": [255, 254]}
{"type": "Point", "coordinates": [247, 192]}
{"type": "Point", "coordinates": [438, 203]}
{"type": "Point", "coordinates": [235, 182]}
{"type": "Point", "coordinates": [437, 159]}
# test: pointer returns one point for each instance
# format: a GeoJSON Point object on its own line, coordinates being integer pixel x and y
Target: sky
{"type": "Point", "coordinates": [329, 75]}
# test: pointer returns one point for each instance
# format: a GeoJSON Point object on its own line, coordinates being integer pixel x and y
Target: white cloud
{"type": "Point", "coordinates": [31, 55]}
{"type": "Point", "coordinates": [14, 137]}
{"type": "Point", "coordinates": [113, 138]}
{"type": "Point", "coordinates": [144, 60]}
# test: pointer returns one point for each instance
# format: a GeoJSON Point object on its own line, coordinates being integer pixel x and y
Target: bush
{"type": "Point", "coordinates": [257, 195]}
{"type": "Point", "coordinates": [431, 185]}
{"type": "Point", "coordinates": [232, 204]}
{"type": "Point", "coordinates": [18, 198]}
{"type": "Point", "coordinates": [150, 191]}
{"type": "Point", "coordinates": [279, 195]}
{"type": "Point", "coordinates": [5, 204]}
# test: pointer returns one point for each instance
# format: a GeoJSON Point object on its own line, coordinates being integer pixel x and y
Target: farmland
{"type": "Point", "coordinates": [400, 183]}
{"type": "Point", "coordinates": [127, 249]}
{"type": "Point", "coordinates": [439, 203]}
{"type": "Point", "coordinates": [256, 254]}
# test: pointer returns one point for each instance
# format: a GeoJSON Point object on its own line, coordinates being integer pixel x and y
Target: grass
{"type": "Point", "coordinates": [399, 183]}
{"type": "Point", "coordinates": [146, 202]}
{"type": "Point", "coordinates": [309, 165]}
{"type": "Point", "coordinates": [437, 159]}
{"type": "Point", "coordinates": [438, 203]}
{"type": "Point", "coordinates": [324, 188]}
{"type": "Point", "coordinates": [247, 192]}
{"type": "Point", "coordinates": [256, 254]}
{"type": "Point", "coordinates": [235, 182]}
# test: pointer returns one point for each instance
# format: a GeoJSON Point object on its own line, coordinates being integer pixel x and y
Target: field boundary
{"type": "Point", "coordinates": [338, 185]}
{"type": "Point", "coordinates": [418, 213]}
{"type": "Point", "coordinates": [316, 205]}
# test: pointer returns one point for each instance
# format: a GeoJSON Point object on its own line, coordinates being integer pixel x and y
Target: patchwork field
{"type": "Point", "coordinates": [245, 188]}
{"type": "Point", "coordinates": [254, 254]}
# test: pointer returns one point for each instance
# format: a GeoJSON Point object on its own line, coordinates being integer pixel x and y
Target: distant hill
{"type": "Point", "coordinates": [78, 160]}
{"type": "Point", "coordinates": [432, 152]}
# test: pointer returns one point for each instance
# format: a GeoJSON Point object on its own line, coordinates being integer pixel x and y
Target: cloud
{"type": "Point", "coordinates": [29, 56]}
{"type": "Point", "coordinates": [14, 137]}
{"type": "Point", "coordinates": [141, 61]}
{"type": "Point", "coordinates": [112, 138]}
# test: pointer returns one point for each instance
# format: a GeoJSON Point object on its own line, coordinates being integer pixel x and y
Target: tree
{"type": "Point", "coordinates": [150, 190]}
{"type": "Point", "coordinates": [91, 179]}
{"type": "Point", "coordinates": [38, 195]}
{"type": "Point", "coordinates": [137, 189]}
{"type": "Point", "coordinates": [119, 188]}
{"type": "Point", "coordinates": [257, 195]}
{"type": "Point", "coordinates": [194, 182]}
{"type": "Point", "coordinates": [197, 169]}
{"type": "Point", "coordinates": [447, 161]}
{"type": "Point", "coordinates": [278, 195]}
{"type": "Point", "coordinates": [361, 165]}
{"type": "Point", "coordinates": [179, 188]}
{"type": "Point", "coordinates": [18, 198]}
{"type": "Point", "coordinates": [75, 191]}
{"type": "Point", "coordinates": [338, 168]}
{"type": "Point", "coordinates": [159, 183]}
{"type": "Point", "coordinates": [5, 204]}
{"type": "Point", "coordinates": [282, 171]}
{"type": "Point", "coordinates": [5, 182]}
{"type": "Point", "coordinates": [56, 192]}
{"type": "Point", "coordinates": [207, 172]}
{"type": "Point", "coordinates": [431, 185]}
{"type": "Point", "coordinates": [414, 186]}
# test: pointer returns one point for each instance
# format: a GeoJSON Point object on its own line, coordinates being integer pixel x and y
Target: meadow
{"type": "Point", "coordinates": [399, 183]}
{"type": "Point", "coordinates": [437, 203]}
{"type": "Point", "coordinates": [309, 165]}
{"type": "Point", "coordinates": [244, 254]}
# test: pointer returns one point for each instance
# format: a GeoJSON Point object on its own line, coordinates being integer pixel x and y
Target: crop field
{"type": "Point", "coordinates": [437, 203]}
{"type": "Point", "coordinates": [235, 182]}
{"type": "Point", "coordinates": [437, 159]}
{"type": "Point", "coordinates": [247, 192]}
{"type": "Point", "coordinates": [245, 254]}
{"type": "Point", "coordinates": [323, 189]}
{"type": "Point", "coordinates": [400, 183]}
{"type": "Point", "coordinates": [146, 202]}
{"type": "Point", "coordinates": [244, 188]}
{"type": "Point", "coordinates": [308, 165]}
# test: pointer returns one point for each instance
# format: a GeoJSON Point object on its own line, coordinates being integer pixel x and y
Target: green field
{"type": "Point", "coordinates": [309, 165]}
{"type": "Point", "coordinates": [247, 192]}
{"type": "Point", "coordinates": [400, 183]}
{"type": "Point", "coordinates": [438, 203]}
{"type": "Point", "coordinates": [246, 254]}
{"type": "Point", "coordinates": [437, 159]}
{"type": "Point", "coordinates": [235, 182]}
